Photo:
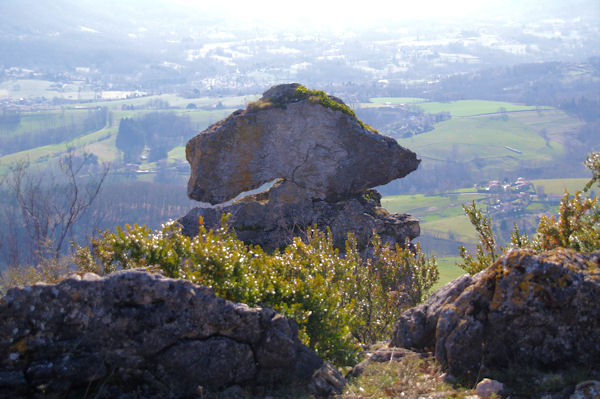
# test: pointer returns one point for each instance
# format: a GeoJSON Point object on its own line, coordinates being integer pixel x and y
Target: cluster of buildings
{"type": "Point", "coordinates": [495, 187]}
{"type": "Point", "coordinates": [508, 198]}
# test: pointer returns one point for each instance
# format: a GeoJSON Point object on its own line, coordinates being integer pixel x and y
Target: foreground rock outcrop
{"type": "Point", "coordinates": [144, 335]}
{"type": "Point", "coordinates": [538, 310]}
{"type": "Point", "coordinates": [321, 159]}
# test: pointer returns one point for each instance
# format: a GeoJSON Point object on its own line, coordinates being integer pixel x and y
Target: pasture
{"type": "Point", "coordinates": [448, 271]}
{"type": "Point", "coordinates": [481, 142]}
{"type": "Point", "coordinates": [558, 186]}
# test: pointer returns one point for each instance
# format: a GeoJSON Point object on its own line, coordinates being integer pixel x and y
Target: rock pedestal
{"type": "Point", "coordinates": [323, 162]}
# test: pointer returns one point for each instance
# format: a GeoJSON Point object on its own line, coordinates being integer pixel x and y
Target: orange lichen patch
{"type": "Point", "coordinates": [497, 299]}
{"type": "Point", "coordinates": [522, 291]}
{"type": "Point", "coordinates": [515, 258]}
{"type": "Point", "coordinates": [19, 346]}
{"type": "Point", "coordinates": [247, 145]}
{"type": "Point", "coordinates": [565, 280]}
{"type": "Point", "coordinates": [76, 296]}
{"type": "Point", "coordinates": [572, 260]}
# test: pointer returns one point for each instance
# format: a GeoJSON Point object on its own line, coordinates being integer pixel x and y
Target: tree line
{"type": "Point", "coordinates": [44, 135]}
{"type": "Point", "coordinates": [159, 131]}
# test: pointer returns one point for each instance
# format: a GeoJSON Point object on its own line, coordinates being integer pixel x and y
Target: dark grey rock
{"type": "Point", "coordinates": [271, 222]}
{"type": "Point", "coordinates": [142, 335]}
{"type": "Point", "coordinates": [539, 310]}
{"type": "Point", "coordinates": [416, 327]}
{"type": "Point", "coordinates": [587, 390]}
{"type": "Point", "coordinates": [326, 381]}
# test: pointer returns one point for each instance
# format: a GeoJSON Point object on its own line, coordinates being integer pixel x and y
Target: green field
{"type": "Point", "coordinates": [45, 120]}
{"type": "Point", "coordinates": [102, 142]}
{"type": "Point", "coordinates": [429, 207]}
{"type": "Point", "coordinates": [29, 88]}
{"type": "Point", "coordinates": [448, 270]}
{"type": "Point", "coordinates": [177, 153]}
{"type": "Point", "coordinates": [484, 139]}
{"type": "Point", "coordinates": [440, 216]}
{"type": "Point", "coordinates": [558, 186]}
{"type": "Point", "coordinates": [396, 100]}
{"type": "Point", "coordinates": [175, 101]}
{"type": "Point", "coordinates": [473, 107]}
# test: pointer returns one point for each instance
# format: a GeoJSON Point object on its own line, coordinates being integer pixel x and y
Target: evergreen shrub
{"type": "Point", "coordinates": [338, 302]}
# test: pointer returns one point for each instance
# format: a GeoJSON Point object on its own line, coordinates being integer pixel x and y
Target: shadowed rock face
{"type": "Point", "coordinates": [325, 152]}
{"type": "Point", "coordinates": [272, 219]}
{"type": "Point", "coordinates": [323, 160]}
{"type": "Point", "coordinates": [135, 334]}
{"type": "Point", "coordinates": [538, 310]}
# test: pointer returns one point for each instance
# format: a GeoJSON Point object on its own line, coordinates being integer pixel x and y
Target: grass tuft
{"type": "Point", "coordinates": [410, 377]}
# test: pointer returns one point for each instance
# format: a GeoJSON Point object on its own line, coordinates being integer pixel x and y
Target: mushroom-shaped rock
{"type": "Point", "coordinates": [305, 137]}
{"type": "Point", "coordinates": [321, 160]}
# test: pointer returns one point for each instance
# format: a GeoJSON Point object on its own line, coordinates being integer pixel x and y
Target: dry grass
{"type": "Point", "coordinates": [407, 378]}
{"type": "Point", "coordinates": [49, 271]}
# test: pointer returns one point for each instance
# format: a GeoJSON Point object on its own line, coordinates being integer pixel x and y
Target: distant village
{"type": "Point", "coordinates": [509, 198]}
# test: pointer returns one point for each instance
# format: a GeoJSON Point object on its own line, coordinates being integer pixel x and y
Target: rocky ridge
{"type": "Point", "coordinates": [321, 159]}
{"type": "Point", "coordinates": [136, 334]}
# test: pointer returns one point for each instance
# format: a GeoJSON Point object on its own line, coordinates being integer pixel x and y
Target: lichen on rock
{"type": "Point", "coordinates": [539, 310]}
{"type": "Point", "coordinates": [143, 335]}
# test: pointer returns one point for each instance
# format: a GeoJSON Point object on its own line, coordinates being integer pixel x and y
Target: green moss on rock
{"type": "Point", "coordinates": [282, 95]}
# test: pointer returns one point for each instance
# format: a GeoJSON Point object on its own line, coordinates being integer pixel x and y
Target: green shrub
{"type": "Point", "coordinates": [487, 250]}
{"type": "Point", "coordinates": [577, 227]}
{"type": "Point", "coordinates": [337, 301]}
{"type": "Point", "coordinates": [385, 284]}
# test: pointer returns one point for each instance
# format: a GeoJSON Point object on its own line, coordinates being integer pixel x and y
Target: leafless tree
{"type": "Point", "coordinates": [51, 206]}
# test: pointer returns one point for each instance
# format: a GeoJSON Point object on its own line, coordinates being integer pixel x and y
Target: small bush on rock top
{"type": "Point", "coordinates": [337, 301]}
{"type": "Point", "coordinates": [320, 97]}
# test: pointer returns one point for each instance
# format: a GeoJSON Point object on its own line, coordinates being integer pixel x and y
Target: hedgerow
{"type": "Point", "coordinates": [338, 302]}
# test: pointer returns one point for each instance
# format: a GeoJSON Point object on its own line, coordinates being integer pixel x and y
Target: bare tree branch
{"type": "Point", "coordinates": [51, 207]}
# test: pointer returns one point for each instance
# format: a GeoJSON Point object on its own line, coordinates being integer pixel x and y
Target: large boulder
{"type": "Point", "coordinates": [322, 150]}
{"type": "Point", "coordinates": [143, 335]}
{"type": "Point", "coordinates": [320, 159]}
{"type": "Point", "coordinates": [539, 310]}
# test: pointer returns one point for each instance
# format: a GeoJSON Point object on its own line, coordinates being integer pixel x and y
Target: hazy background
{"type": "Point", "coordinates": [481, 90]}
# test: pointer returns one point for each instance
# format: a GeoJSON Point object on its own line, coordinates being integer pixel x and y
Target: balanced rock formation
{"type": "Point", "coordinates": [321, 158]}
{"type": "Point", "coordinates": [539, 310]}
{"type": "Point", "coordinates": [136, 334]}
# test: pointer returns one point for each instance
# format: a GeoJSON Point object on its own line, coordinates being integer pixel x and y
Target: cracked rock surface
{"type": "Point", "coordinates": [539, 310]}
{"type": "Point", "coordinates": [324, 161]}
{"type": "Point", "coordinates": [143, 335]}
